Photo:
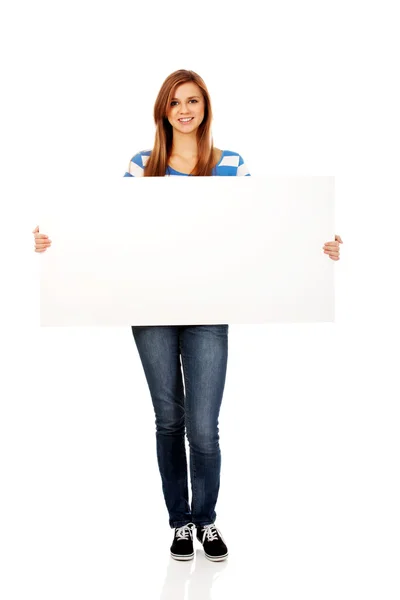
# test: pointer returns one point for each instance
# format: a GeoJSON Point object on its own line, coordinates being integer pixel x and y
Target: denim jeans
{"type": "Point", "coordinates": [192, 400]}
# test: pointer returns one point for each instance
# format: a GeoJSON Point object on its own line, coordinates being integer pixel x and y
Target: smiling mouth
{"type": "Point", "coordinates": [189, 120]}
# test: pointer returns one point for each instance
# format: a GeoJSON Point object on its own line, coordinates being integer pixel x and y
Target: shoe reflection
{"type": "Point", "coordinates": [191, 579]}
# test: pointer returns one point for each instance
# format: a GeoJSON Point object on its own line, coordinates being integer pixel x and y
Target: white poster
{"type": "Point", "coordinates": [188, 250]}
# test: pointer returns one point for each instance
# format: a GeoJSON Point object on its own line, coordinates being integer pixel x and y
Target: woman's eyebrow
{"type": "Point", "coordinates": [188, 98]}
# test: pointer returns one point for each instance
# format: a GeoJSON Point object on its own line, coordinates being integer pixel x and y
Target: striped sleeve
{"type": "Point", "coordinates": [242, 168]}
{"type": "Point", "coordinates": [137, 164]}
{"type": "Point", "coordinates": [231, 164]}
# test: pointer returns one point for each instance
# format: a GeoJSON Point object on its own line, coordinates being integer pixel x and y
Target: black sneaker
{"type": "Point", "coordinates": [213, 543]}
{"type": "Point", "coordinates": [182, 546]}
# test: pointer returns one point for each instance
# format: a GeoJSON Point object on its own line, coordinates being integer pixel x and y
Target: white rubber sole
{"type": "Point", "coordinates": [189, 557]}
{"type": "Point", "coordinates": [216, 558]}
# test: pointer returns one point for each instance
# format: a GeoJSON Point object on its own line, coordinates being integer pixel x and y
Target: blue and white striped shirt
{"type": "Point", "coordinates": [230, 163]}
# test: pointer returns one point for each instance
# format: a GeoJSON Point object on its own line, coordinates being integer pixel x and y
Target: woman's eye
{"type": "Point", "coordinates": [175, 101]}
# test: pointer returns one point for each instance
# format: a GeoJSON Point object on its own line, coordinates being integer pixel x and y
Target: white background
{"type": "Point", "coordinates": [309, 422]}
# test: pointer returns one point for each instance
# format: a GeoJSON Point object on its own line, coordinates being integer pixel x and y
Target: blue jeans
{"type": "Point", "coordinates": [204, 353]}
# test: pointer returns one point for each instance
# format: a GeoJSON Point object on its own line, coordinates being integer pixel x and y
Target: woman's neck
{"type": "Point", "coordinates": [184, 145]}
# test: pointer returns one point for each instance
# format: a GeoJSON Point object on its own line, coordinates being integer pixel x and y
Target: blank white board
{"type": "Point", "coordinates": [188, 250]}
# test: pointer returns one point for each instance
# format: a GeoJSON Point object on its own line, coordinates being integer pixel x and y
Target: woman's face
{"type": "Point", "coordinates": [188, 102]}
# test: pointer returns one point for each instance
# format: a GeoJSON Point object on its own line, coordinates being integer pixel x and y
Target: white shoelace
{"type": "Point", "coordinates": [211, 532]}
{"type": "Point", "coordinates": [181, 533]}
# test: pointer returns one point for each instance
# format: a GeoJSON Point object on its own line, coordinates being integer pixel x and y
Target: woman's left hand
{"type": "Point", "coordinates": [332, 248]}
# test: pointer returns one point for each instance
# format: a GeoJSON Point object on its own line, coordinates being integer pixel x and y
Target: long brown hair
{"type": "Point", "coordinates": [157, 164]}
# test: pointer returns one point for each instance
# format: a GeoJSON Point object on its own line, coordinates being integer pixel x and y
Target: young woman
{"type": "Point", "coordinates": [185, 366]}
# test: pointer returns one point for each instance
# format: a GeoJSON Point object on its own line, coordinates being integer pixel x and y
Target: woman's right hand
{"type": "Point", "coordinates": [42, 241]}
